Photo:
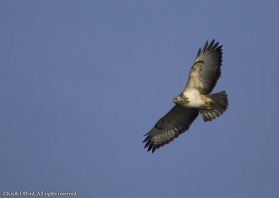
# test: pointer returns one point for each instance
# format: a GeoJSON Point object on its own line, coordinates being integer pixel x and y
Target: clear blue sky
{"type": "Point", "coordinates": [81, 82]}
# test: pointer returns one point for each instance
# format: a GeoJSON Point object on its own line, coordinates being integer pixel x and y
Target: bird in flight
{"type": "Point", "coordinates": [196, 98]}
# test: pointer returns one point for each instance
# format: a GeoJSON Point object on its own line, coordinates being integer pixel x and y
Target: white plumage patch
{"type": "Point", "coordinates": [194, 97]}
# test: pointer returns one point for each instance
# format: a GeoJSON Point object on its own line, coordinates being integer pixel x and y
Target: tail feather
{"type": "Point", "coordinates": [220, 104]}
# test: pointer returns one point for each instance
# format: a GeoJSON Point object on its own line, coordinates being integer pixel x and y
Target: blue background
{"type": "Point", "coordinates": [83, 81]}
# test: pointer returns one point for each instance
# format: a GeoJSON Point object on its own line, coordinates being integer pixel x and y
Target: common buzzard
{"type": "Point", "coordinates": [195, 99]}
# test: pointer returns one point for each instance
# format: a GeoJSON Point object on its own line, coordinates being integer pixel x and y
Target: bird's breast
{"type": "Point", "coordinates": [194, 98]}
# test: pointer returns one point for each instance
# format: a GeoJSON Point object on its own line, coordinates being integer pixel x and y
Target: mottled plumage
{"type": "Point", "coordinates": [195, 99]}
{"type": "Point", "coordinates": [175, 122]}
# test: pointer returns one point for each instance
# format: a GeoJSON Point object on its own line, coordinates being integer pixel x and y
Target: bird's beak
{"type": "Point", "coordinates": [174, 100]}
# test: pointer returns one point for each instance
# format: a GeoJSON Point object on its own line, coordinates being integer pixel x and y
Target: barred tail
{"type": "Point", "coordinates": [219, 106]}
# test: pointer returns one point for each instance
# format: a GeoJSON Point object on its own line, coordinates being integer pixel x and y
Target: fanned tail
{"type": "Point", "coordinates": [219, 106]}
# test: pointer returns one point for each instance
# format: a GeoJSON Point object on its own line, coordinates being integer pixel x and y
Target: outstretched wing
{"type": "Point", "coordinates": [206, 69]}
{"type": "Point", "coordinates": [170, 126]}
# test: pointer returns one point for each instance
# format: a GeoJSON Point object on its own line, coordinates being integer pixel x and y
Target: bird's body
{"type": "Point", "coordinates": [196, 98]}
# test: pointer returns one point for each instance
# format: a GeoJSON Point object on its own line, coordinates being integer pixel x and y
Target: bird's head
{"type": "Point", "coordinates": [177, 99]}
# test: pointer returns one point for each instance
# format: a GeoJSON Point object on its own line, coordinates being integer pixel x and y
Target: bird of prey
{"type": "Point", "coordinates": [196, 98]}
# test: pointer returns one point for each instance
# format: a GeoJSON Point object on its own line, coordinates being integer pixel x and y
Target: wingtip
{"type": "Point", "coordinates": [149, 145]}
{"type": "Point", "coordinates": [146, 134]}
{"type": "Point", "coordinates": [208, 46]}
{"type": "Point", "coordinates": [145, 139]}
